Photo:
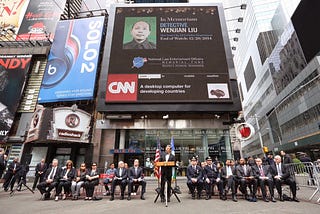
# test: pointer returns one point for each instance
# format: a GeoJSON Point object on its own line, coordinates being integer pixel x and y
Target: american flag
{"type": "Point", "coordinates": [157, 169]}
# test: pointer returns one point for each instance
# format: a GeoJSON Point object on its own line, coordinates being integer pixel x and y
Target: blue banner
{"type": "Point", "coordinates": [72, 63]}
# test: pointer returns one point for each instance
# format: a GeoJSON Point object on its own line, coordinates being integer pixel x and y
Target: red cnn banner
{"type": "Point", "coordinates": [122, 87]}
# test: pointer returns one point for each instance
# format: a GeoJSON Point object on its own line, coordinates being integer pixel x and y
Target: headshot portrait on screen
{"type": "Point", "coordinates": [139, 33]}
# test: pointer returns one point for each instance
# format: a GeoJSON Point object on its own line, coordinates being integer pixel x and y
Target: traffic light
{"type": "Point", "coordinates": [265, 149]}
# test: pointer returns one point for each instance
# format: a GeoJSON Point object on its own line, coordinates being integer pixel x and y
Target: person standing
{"type": "Point", "coordinates": [166, 173]}
{"type": "Point", "coordinates": [11, 175]}
{"type": "Point", "coordinates": [286, 159]}
{"type": "Point", "coordinates": [41, 169]}
{"type": "Point", "coordinates": [3, 162]}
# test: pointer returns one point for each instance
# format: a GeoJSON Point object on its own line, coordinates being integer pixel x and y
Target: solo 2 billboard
{"type": "Point", "coordinates": [72, 63]}
{"type": "Point", "coordinates": [13, 71]}
{"type": "Point", "coordinates": [167, 54]}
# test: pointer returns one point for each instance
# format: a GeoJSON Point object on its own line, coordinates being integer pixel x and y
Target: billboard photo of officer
{"type": "Point", "coordinates": [139, 33]}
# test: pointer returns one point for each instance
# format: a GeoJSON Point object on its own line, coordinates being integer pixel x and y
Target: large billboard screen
{"type": "Point", "coordinates": [40, 19]}
{"type": "Point", "coordinates": [11, 15]}
{"type": "Point", "coordinates": [72, 63]}
{"type": "Point", "coordinates": [13, 71]}
{"type": "Point", "coordinates": [167, 54]}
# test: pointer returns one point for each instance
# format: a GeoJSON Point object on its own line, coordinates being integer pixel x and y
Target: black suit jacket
{"type": "Point", "coordinates": [41, 169]}
{"type": "Point", "coordinates": [241, 173]}
{"type": "Point", "coordinates": [284, 169]}
{"type": "Point", "coordinates": [56, 177]}
{"type": "Point", "coordinates": [266, 170]}
{"type": "Point", "coordinates": [166, 171]}
{"type": "Point", "coordinates": [71, 174]}
{"type": "Point", "coordinates": [124, 175]}
{"type": "Point", "coordinates": [132, 174]}
{"type": "Point", "coordinates": [211, 172]}
{"type": "Point", "coordinates": [224, 172]}
{"type": "Point", "coordinates": [195, 173]}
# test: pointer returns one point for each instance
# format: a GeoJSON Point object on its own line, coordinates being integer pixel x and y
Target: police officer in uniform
{"type": "Point", "coordinates": [195, 178]}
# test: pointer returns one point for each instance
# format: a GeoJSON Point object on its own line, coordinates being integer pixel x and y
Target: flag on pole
{"type": "Point", "coordinates": [157, 169]}
{"type": "Point", "coordinates": [174, 176]}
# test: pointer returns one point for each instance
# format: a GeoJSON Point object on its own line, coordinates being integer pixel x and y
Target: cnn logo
{"type": "Point", "coordinates": [122, 87]}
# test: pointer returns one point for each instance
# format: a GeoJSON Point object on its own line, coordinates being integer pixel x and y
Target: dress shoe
{"type": "Point", "coordinates": [253, 199]}
{"type": "Point", "coordinates": [129, 198]}
{"type": "Point", "coordinates": [234, 198]}
{"type": "Point", "coordinates": [273, 200]}
{"type": "Point", "coordinates": [168, 200]}
{"type": "Point", "coordinates": [111, 198]}
{"type": "Point", "coordinates": [142, 197]}
{"type": "Point", "coordinates": [198, 196]}
{"type": "Point", "coordinates": [207, 197]}
{"type": "Point", "coordinates": [222, 197]}
{"type": "Point", "coordinates": [265, 200]}
{"type": "Point", "coordinates": [295, 199]}
{"type": "Point", "coordinates": [281, 199]}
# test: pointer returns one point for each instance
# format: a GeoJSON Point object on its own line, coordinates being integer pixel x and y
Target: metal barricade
{"type": "Point", "coordinates": [306, 174]}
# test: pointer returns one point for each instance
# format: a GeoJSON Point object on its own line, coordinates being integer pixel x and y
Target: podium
{"type": "Point", "coordinates": [166, 164]}
{"type": "Point", "coordinates": [169, 163]}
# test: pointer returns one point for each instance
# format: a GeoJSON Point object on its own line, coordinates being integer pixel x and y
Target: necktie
{"type": "Point", "coordinates": [52, 173]}
{"type": "Point", "coordinates": [262, 172]}
{"type": "Point", "coordinates": [136, 171]}
{"type": "Point", "coordinates": [279, 170]}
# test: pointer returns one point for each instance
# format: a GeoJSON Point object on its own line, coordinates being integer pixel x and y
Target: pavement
{"type": "Point", "coordinates": [24, 202]}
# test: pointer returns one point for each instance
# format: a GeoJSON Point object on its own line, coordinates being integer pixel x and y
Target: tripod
{"type": "Point", "coordinates": [18, 188]}
{"type": "Point", "coordinates": [166, 193]}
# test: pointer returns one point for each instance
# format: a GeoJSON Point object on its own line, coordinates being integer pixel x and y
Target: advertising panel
{"type": "Point", "coordinates": [72, 63]}
{"type": "Point", "coordinates": [11, 15]}
{"type": "Point", "coordinates": [13, 70]}
{"type": "Point", "coordinates": [40, 19]}
{"type": "Point", "coordinates": [167, 54]}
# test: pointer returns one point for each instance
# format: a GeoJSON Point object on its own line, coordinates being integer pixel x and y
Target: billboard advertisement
{"type": "Point", "coordinates": [13, 71]}
{"type": "Point", "coordinates": [70, 73]}
{"type": "Point", "coordinates": [11, 15]}
{"type": "Point", "coordinates": [40, 19]}
{"type": "Point", "coordinates": [167, 54]}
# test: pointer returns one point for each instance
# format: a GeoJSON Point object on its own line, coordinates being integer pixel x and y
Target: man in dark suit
{"type": "Point", "coordinates": [136, 177]}
{"type": "Point", "coordinates": [246, 179]}
{"type": "Point", "coordinates": [166, 172]}
{"type": "Point", "coordinates": [228, 174]}
{"type": "Point", "coordinates": [282, 176]}
{"type": "Point", "coordinates": [40, 173]}
{"type": "Point", "coordinates": [212, 176]}
{"type": "Point", "coordinates": [285, 158]}
{"type": "Point", "coordinates": [264, 175]}
{"type": "Point", "coordinates": [120, 178]}
{"type": "Point", "coordinates": [12, 174]}
{"type": "Point", "coordinates": [51, 180]}
{"type": "Point", "coordinates": [195, 178]}
{"type": "Point", "coordinates": [3, 162]}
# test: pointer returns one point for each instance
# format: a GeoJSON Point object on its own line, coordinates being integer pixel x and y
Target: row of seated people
{"type": "Point", "coordinates": [70, 181]}
{"type": "Point", "coordinates": [230, 177]}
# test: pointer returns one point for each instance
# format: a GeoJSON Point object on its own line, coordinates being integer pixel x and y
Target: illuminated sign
{"type": "Point", "coordinates": [172, 54]}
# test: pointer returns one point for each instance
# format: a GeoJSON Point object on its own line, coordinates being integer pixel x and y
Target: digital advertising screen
{"type": "Point", "coordinates": [71, 70]}
{"type": "Point", "coordinates": [40, 19]}
{"type": "Point", "coordinates": [167, 54]}
{"type": "Point", "coordinates": [13, 71]}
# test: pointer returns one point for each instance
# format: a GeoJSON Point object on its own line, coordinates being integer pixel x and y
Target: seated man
{"type": "Point", "coordinates": [194, 178]}
{"type": "Point", "coordinates": [136, 177]}
{"type": "Point", "coordinates": [51, 180]}
{"type": "Point", "coordinates": [120, 178]}
{"type": "Point", "coordinates": [246, 178]}
{"type": "Point", "coordinates": [264, 175]}
{"type": "Point", "coordinates": [228, 174]}
{"type": "Point", "coordinates": [110, 174]}
{"type": "Point", "coordinates": [282, 176]}
{"type": "Point", "coordinates": [212, 176]}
